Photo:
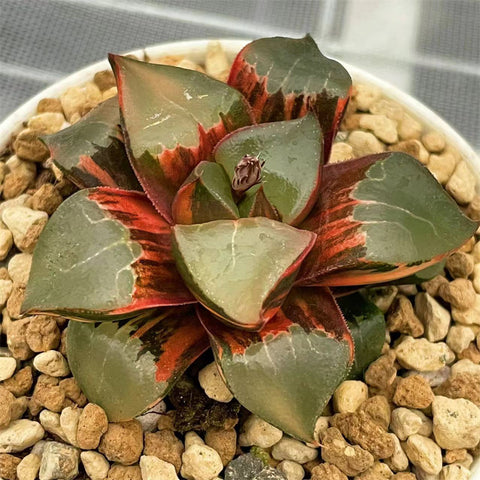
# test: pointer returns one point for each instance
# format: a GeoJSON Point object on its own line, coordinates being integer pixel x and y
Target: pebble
{"type": "Point", "coordinates": [224, 441]}
{"type": "Point", "coordinates": [366, 95]}
{"type": "Point", "coordinates": [465, 366]}
{"type": "Point", "coordinates": [340, 152]}
{"type": "Point", "coordinates": [212, 383]}
{"type": "Point", "coordinates": [398, 462]}
{"type": "Point", "coordinates": [29, 147]}
{"type": "Point", "coordinates": [77, 101]}
{"type": "Point", "coordinates": [424, 453]}
{"type": "Point", "coordinates": [122, 442]}
{"type": "Point", "coordinates": [8, 466]}
{"type": "Point", "coordinates": [402, 318]}
{"type": "Point", "coordinates": [200, 462]}
{"type": "Point", "coordinates": [454, 472]}
{"type": "Point", "coordinates": [459, 338]}
{"type": "Point", "coordinates": [456, 423]}
{"type": "Point", "coordinates": [244, 467]}
{"type": "Point", "coordinates": [51, 363]}
{"type": "Point", "coordinates": [150, 418]}
{"type": "Point", "coordinates": [6, 287]}
{"type": "Point", "coordinates": [292, 470]}
{"type": "Point", "coordinates": [19, 267]}
{"type": "Point", "coordinates": [6, 242]}
{"type": "Point", "coordinates": [8, 366]}
{"type": "Point", "coordinates": [95, 465]}
{"type": "Point", "coordinates": [153, 468]}
{"type": "Point", "coordinates": [167, 447]}
{"type": "Point", "coordinates": [20, 435]}
{"type": "Point", "coordinates": [42, 335]}
{"type": "Point", "coordinates": [364, 143]}
{"type": "Point", "coordinates": [434, 317]}
{"type": "Point", "coordinates": [469, 316]}
{"type": "Point", "coordinates": [459, 293]}
{"type": "Point", "coordinates": [413, 391]}
{"type": "Point", "coordinates": [433, 141]}
{"type": "Point", "coordinates": [46, 123]}
{"type": "Point", "coordinates": [349, 395]}
{"type": "Point", "coordinates": [422, 355]}
{"type": "Point", "coordinates": [122, 472]}
{"type": "Point", "coordinates": [51, 423]}
{"type": "Point", "coordinates": [327, 471]}
{"type": "Point", "coordinates": [59, 461]}
{"type": "Point", "coordinates": [69, 419]}
{"type": "Point", "coordinates": [26, 225]}
{"type": "Point", "coordinates": [256, 431]}
{"type": "Point", "coordinates": [92, 424]}
{"type": "Point", "coordinates": [28, 468]}
{"type": "Point", "coordinates": [461, 185]}
{"type": "Point", "coordinates": [294, 450]}
{"type": "Point", "coordinates": [442, 166]}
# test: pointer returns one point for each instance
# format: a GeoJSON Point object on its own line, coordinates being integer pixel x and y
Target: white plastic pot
{"type": "Point", "coordinates": [195, 50]}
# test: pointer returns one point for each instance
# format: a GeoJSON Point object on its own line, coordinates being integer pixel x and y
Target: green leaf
{"type": "Point", "coordinates": [240, 269]}
{"type": "Point", "coordinates": [380, 218]}
{"type": "Point", "coordinates": [256, 204]}
{"type": "Point", "coordinates": [287, 372]}
{"type": "Point", "coordinates": [292, 152]}
{"type": "Point", "coordinates": [422, 275]}
{"type": "Point", "coordinates": [206, 195]}
{"type": "Point", "coordinates": [91, 152]}
{"type": "Point", "coordinates": [172, 118]}
{"type": "Point", "coordinates": [104, 254]}
{"type": "Point", "coordinates": [283, 78]}
{"type": "Point", "coordinates": [367, 326]}
{"type": "Point", "coordinates": [127, 367]}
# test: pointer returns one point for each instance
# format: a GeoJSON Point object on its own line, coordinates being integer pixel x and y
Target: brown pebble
{"type": "Point", "coordinates": [453, 456]}
{"type": "Point", "coordinates": [327, 471]}
{"type": "Point", "coordinates": [73, 392]}
{"type": "Point", "coordinates": [16, 339]}
{"type": "Point", "coordinates": [29, 147]}
{"type": "Point", "coordinates": [92, 424]}
{"type": "Point", "coordinates": [7, 400]}
{"type": "Point", "coordinates": [104, 80]}
{"type": "Point", "coordinates": [413, 392]}
{"type": "Point", "coordinates": [470, 353]}
{"type": "Point", "coordinates": [462, 385]}
{"type": "Point", "coordinates": [432, 286]}
{"type": "Point", "coordinates": [48, 393]}
{"type": "Point", "coordinates": [123, 442]}
{"type": "Point", "coordinates": [361, 430]}
{"type": "Point", "coordinates": [21, 383]}
{"type": "Point", "coordinates": [460, 265]}
{"type": "Point", "coordinates": [223, 441]}
{"type": "Point", "coordinates": [14, 302]}
{"type": "Point", "coordinates": [378, 409]}
{"type": "Point", "coordinates": [122, 472]}
{"type": "Point", "coordinates": [46, 198]}
{"type": "Point", "coordinates": [166, 446]}
{"type": "Point", "coordinates": [473, 209]}
{"type": "Point", "coordinates": [166, 421]}
{"type": "Point", "coordinates": [8, 466]}
{"type": "Point", "coordinates": [42, 333]}
{"type": "Point", "coordinates": [404, 476]}
{"type": "Point", "coordinates": [381, 373]}
{"type": "Point", "coordinates": [401, 318]}
{"type": "Point", "coordinates": [49, 105]}
{"type": "Point", "coordinates": [459, 293]}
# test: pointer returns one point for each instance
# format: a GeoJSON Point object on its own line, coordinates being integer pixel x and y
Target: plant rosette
{"type": "Point", "coordinates": [222, 215]}
{"type": "Point", "coordinates": [209, 216]}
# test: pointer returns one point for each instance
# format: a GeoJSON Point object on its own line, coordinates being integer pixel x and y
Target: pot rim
{"type": "Point", "coordinates": [195, 50]}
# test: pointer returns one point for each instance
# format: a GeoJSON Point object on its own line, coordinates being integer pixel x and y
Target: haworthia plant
{"type": "Point", "coordinates": [238, 215]}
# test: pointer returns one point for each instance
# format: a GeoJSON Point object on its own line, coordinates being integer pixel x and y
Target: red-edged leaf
{"type": "Point", "coordinates": [206, 195]}
{"type": "Point", "coordinates": [380, 218]}
{"type": "Point", "coordinates": [242, 270]}
{"type": "Point", "coordinates": [257, 205]}
{"type": "Point", "coordinates": [283, 78]}
{"type": "Point", "coordinates": [140, 360]}
{"type": "Point", "coordinates": [287, 372]}
{"type": "Point", "coordinates": [104, 253]}
{"type": "Point", "coordinates": [91, 152]}
{"type": "Point", "coordinates": [172, 119]}
{"type": "Point", "coordinates": [293, 157]}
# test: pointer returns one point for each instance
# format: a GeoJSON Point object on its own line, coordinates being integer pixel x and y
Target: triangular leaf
{"type": "Point", "coordinates": [287, 372]}
{"type": "Point", "coordinates": [139, 360]}
{"type": "Point", "coordinates": [367, 326]}
{"type": "Point", "coordinates": [242, 269]}
{"type": "Point", "coordinates": [206, 195]}
{"type": "Point", "coordinates": [283, 78]}
{"type": "Point", "coordinates": [256, 204]}
{"type": "Point", "coordinates": [104, 254]}
{"type": "Point", "coordinates": [292, 152]}
{"type": "Point", "coordinates": [380, 218]}
{"type": "Point", "coordinates": [172, 117]}
{"type": "Point", "coordinates": [91, 152]}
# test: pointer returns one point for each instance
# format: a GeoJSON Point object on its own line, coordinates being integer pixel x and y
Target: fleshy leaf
{"type": "Point", "coordinates": [287, 372]}
{"type": "Point", "coordinates": [91, 152]}
{"type": "Point", "coordinates": [206, 195]}
{"type": "Point", "coordinates": [256, 204]}
{"type": "Point", "coordinates": [241, 270]}
{"type": "Point", "coordinates": [422, 275]}
{"type": "Point", "coordinates": [104, 254]}
{"type": "Point", "coordinates": [380, 218]}
{"type": "Point", "coordinates": [367, 326]}
{"type": "Point", "coordinates": [292, 152]}
{"type": "Point", "coordinates": [140, 360]}
{"type": "Point", "coordinates": [172, 118]}
{"type": "Point", "coordinates": [283, 78]}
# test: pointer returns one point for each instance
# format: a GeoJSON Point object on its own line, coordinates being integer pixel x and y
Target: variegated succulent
{"type": "Point", "coordinates": [208, 216]}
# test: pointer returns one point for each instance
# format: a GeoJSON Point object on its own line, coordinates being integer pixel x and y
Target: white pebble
{"type": "Point", "coordinates": [59, 461]}
{"type": "Point", "coordinates": [434, 317]}
{"type": "Point", "coordinates": [19, 435]}
{"type": "Point", "coordinates": [155, 469]}
{"type": "Point", "coordinates": [422, 355]}
{"type": "Point", "coordinates": [406, 422]}
{"type": "Point", "coordinates": [51, 363]}
{"type": "Point", "coordinates": [459, 338]}
{"type": "Point", "coordinates": [454, 472]}
{"type": "Point", "coordinates": [193, 438]}
{"type": "Point", "coordinates": [69, 419]}
{"type": "Point", "coordinates": [200, 462]}
{"type": "Point", "coordinates": [28, 468]}
{"type": "Point", "coordinates": [461, 184]}
{"type": "Point", "coordinates": [294, 450]}
{"type": "Point", "coordinates": [424, 453]}
{"type": "Point", "coordinates": [258, 432]}
{"type": "Point", "coordinates": [6, 242]}
{"type": "Point", "coordinates": [212, 382]}
{"type": "Point", "coordinates": [8, 366]}
{"type": "Point", "coordinates": [51, 423]}
{"type": "Point", "coordinates": [398, 462]}
{"type": "Point", "coordinates": [349, 395]}
{"type": "Point", "coordinates": [96, 465]}
{"type": "Point", "coordinates": [5, 291]}
{"type": "Point", "coordinates": [292, 470]}
{"type": "Point", "coordinates": [19, 267]}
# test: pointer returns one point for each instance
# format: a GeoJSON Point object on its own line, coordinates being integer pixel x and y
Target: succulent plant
{"type": "Point", "coordinates": [209, 216]}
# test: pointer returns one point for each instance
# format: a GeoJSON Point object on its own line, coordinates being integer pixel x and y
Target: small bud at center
{"type": "Point", "coordinates": [248, 173]}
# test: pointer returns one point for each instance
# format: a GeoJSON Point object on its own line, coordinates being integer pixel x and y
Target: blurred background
{"type": "Point", "coordinates": [429, 48]}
